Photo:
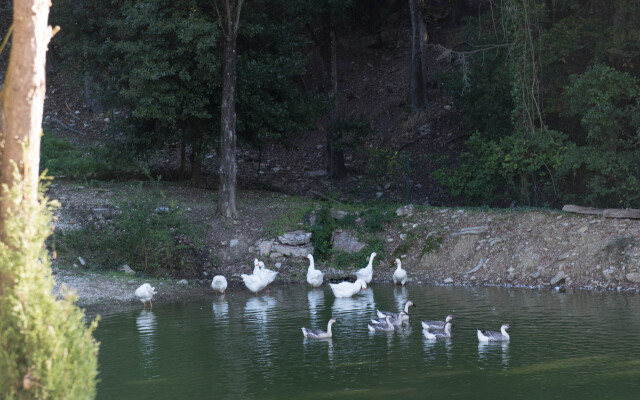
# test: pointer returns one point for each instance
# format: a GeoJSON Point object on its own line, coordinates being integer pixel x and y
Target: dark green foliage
{"type": "Point", "coordinates": [321, 234]}
{"type": "Point", "coordinates": [151, 232]}
{"type": "Point", "coordinates": [555, 115]}
{"type": "Point", "coordinates": [432, 244]}
{"type": "Point", "coordinates": [348, 133]}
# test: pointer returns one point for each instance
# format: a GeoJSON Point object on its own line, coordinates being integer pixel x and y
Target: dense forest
{"type": "Point", "coordinates": [532, 103]}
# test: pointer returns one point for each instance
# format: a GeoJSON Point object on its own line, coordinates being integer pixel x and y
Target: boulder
{"type": "Point", "coordinates": [182, 282]}
{"type": "Point", "coordinates": [292, 251]}
{"type": "Point", "coordinates": [265, 247]}
{"type": "Point", "coordinates": [448, 280]}
{"type": "Point", "coordinates": [633, 277]}
{"type": "Point", "coordinates": [405, 210]}
{"type": "Point", "coordinates": [295, 238]}
{"type": "Point", "coordinates": [557, 278]}
{"type": "Point", "coordinates": [347, 241]}
{"type": "Point", "coordinates": [473, 230]}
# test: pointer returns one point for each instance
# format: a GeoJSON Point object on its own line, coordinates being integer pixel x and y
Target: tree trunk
{"type": "Point", "coordinates": [22, 100]}
{"type": "Point", "coordinates": [228, 166]}
{"type": "Point", "coordinates": [418, 82]}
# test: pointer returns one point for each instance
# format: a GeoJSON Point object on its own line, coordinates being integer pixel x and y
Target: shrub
{"type": "Point", "coordinates": [46, 349]}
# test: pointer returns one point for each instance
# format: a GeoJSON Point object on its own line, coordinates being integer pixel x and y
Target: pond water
{"type": "Point", "coordinates": [583, 344]}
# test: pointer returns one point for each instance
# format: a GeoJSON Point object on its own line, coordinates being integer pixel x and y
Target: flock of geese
{"type": "Point", "coordinates": [385, 321]}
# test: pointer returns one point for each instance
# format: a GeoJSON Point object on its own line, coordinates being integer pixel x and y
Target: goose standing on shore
{"type": "Point", "coordinates": [347, 289]}
{"type": "Point", "coordinates": [219, 284]}
{"type": "Point", "coordinates": [144, 293]}
{"type": "Point", "coordinates": [314, 277]}
{"type": "Point", "coordinates": [405, 316]}
{"type": "Point", "coordinates": [491, 336]}
{"type": "Point", "coordinates": [254, 283]}
{"type": "Point", "coordinates": [399, 275]}
{"type": "Point", "coordinates": [366, 273]}
{"type": "Point", "coordinates": [437, 325]}
{"type": "Point", "coordinates": [439, 335]}
{"type": "Point", "coordinates": [268, 275]}
{"type": "Point", "coordinates": [319, 334]}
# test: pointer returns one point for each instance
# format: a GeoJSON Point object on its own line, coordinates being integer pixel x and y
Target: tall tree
{"type": "Point", "coordinates": [228, 167]}
{"type": "Point", "coordinates": [46, 350]}
{"type": "Point", "coordinates": [418, 82]}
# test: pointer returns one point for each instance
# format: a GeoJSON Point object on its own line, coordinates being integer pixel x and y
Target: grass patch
{"type": "Point", "coordinates": [297, 210]}
{"type": "Point", "coordinates": [433, 243]}
{"type": "Point", "coordinates": [151, 232]}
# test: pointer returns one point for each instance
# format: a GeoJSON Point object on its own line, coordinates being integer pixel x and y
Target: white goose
{"type": "Point", "coordinates": [254, 283]}
{"type": "Point", "coordinates": [437, 325]}
{"type": "Point", "coordinates": [394, 321]}
{"type": "Point", "coordinates": [347, 289]}
{"type": "Point", "coordinates": [219, 284]}
{"type": "Point", "coordinates": [491, 336]}
{"type": "Point", "coordinates": [405, 316]}
{"type": "Point", "coordinates": [399, 275]}
{"type": "Point", "coordinates": [144, 293]}
{"type": "Point", "coordinates": [319, 334]}
{"type": "Point", "coordinates": [268, 275]}
{"type": "Point", "coordinates": [439, 335]}
{"type": "Point", "coordinates": [382, 326]}
{"type": "Point", "coordinates": [366, 273]}
{"type": "Point", "coordinates": [314, 277]}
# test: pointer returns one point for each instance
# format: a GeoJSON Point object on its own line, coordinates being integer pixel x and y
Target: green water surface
{"type": "Point", "coordinates": [583, 345]}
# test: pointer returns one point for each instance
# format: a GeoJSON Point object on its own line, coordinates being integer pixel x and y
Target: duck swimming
{"type": "Point", "coordinates": [405, 317]}
{"type": "Point", "coordinates": [491, 336]}
{"type": "Point", "coordinates": [317, 333]}
{"type": "Point", "coordinates": [437, 325]}
{"type": "Point", "coordinates": [382, 326]}
{"type": "Point", "coordinates": [394, 321]}
{"type": "Point", "coordinates": [439, 335]}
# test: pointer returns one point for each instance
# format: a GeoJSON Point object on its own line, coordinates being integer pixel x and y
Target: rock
{"type": "Point", "coordinates": [583, 229]}
{"type": "Point", "coordinates": [265, 247]}
{"type": "Point", "coordinates": [536, 275]}
{"type": "Point", "coordinates": [278, 265]}
{"type": "Point", "coordinates": [205, 273]}
{"type": "Point", "coordinates": [292, 251]}
{"type": "Point", "coordinates": [315, 174]}
{"type": "Point", "coordinates": [476, 268]}
{"type": "Point", "coordinates": [127, 270]}
{"type": "Point", "coordinates": [510, 277]}
{"type": "Point", "coordinates": [162, 210]}
{"type": "Point", "coordinates": [405, 210]}
{"type": "Point", "coordinates": [337, 214]}
{"type": "Point", "coordinates": [82, 261]}
{"type": "Point", "coordinates": [346, 241]}
{"type": "Point", "coordinates": [295, 238]}
{"type": "Point", "coordinates": [607, 274]}
{"type": "Point", "coordinates": [233, 243]}
{"type": "Point", "coordinates": [182, 282]}
{"type": "Point", "coordinates": [448, 280]}
{"type": "Point", "coordinates": [403, 236]}
{"type": "Point", "coordinates": [559, 277]}
{"type": "Point", "coordinates": [103, 213]}
{"type": "Point", "coordinates": [564, 256]}
{"type": "Point", "coordinates": [473, 230]}
{"type": "Point", "coordinates": [275, 255]}
{"type": "Point", "coordinates": [633, 277]}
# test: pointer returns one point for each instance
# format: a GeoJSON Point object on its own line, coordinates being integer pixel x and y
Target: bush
{"type": "Point", "coordinates": [46, 349]}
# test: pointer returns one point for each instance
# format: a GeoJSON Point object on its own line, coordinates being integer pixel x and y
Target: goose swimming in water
{"type": "Point", "coordinates": [314, 277]}
{"type": "Point", "coordinates": [347, 289]}
{"type": "Point", "coordinates": [219, 284]}
{"type": "Point", "coordinates": [439, 335]}
{"type": "Point", "coordinates": [405, 317]}
{"type": "Point", "coordinates": [317, 333]}
{"type": "Point", "coordinates": [382, 326]}
{"type": "Point", "coordinates": [491, 336]}
{"type": "Point", "coordinates": [366, 273]}
{"type": "Point", "coordinates": [394, 321]}
{"type": "Point", "coordinates": [144, 293]}
{"type": "Point", "coordinates": [437, 325]}
{"type": "Point", "coordinates": [399, 275]}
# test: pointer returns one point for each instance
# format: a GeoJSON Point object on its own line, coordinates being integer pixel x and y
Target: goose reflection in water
{"type": "Point", "coordinates": [351, 308]}
{"type": "Point", "coordinates": [146, 324]}
{"type": "Point", "coordinates": [220, 308]}
{"type": "Point", "coordinates": [436, 348]}
{"type": "Point", "coordinates": [400, 295]}
{"type": "Point", "coordinates": [316, 303]}
{"type": "Point", "coordinates": [311, 346]}
{"type": "Point", "coordinates": [257, 309]}
{"type": "Point", "coordinates": [485, 350]}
